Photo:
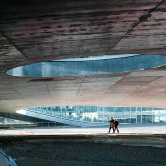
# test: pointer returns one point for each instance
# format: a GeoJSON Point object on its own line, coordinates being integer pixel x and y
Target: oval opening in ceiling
{"type": "Point", "coordinates": [90, 66]}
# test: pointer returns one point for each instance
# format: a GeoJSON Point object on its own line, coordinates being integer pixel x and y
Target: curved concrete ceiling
{"type": "Point", "coordinates": [34, 31]}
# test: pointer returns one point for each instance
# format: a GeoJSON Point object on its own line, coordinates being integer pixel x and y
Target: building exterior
{"type": "Point", "coordinates": [94, 114]}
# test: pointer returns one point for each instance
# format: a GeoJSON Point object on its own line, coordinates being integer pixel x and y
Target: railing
{"type": "Point", "coordinates": [60, 120]}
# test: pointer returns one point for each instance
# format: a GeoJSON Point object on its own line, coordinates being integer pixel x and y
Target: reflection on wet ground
{"type": "Point", "coordinates": [86, 150]}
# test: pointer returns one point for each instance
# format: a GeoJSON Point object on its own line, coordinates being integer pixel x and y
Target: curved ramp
{"type": "Point", "coordinates": [59, 119]}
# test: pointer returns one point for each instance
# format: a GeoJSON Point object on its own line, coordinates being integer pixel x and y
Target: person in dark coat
{"type": "Point", "coordinates": [116, 125]}
{"type": "Point", "coordinates": [111, 124]}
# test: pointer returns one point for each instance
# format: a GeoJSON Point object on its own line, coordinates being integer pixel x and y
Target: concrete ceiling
{"type": "Point", "coordinates": [40, 30]}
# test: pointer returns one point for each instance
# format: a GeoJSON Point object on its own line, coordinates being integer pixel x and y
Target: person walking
{"type": "Point", "coordinates": [111, 124]}
{"type": "Point", "coordinates": [116, 124]}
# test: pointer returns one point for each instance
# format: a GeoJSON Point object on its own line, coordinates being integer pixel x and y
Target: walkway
{"type": "Point", "coordinates": [125, 129]}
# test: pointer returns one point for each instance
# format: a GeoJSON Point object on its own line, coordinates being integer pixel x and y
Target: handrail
{"type": "Point", "coordinates": [59, 119]}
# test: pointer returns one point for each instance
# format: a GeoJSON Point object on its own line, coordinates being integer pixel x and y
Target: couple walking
{"type": "Point", "coordinates": [113, 125]}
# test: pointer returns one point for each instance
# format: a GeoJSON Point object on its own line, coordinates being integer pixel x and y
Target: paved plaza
{"type": "Point", "coordinates": [125, 129]}
{"type": "Point", "coordinates": [78, 146]}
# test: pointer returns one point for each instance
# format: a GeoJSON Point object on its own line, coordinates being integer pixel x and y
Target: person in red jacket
{"type": "Point", "coordinates": [111, 124]}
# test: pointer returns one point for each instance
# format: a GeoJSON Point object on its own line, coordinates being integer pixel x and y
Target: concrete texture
{"type": "Point", "coordinates": [80, 151]}
{"type": "Point", "coordinates": [136, 145]}
{"type": "Point", "coordinates": [40, 30]}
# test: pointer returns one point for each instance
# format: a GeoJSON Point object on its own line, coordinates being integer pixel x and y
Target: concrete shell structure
{"type": "Point", "coordinates": [35, 31]}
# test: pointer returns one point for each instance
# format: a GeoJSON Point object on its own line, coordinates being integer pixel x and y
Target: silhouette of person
{"type": "Point", "coordinates": [116, 124]}
{"type": "Point", "coordinates": [111, 124]}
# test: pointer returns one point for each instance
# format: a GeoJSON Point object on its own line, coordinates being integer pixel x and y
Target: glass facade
{"type": "Point", "coordinates": [101, 114]}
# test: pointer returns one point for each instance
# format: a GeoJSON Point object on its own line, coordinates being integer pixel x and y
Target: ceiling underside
{"type": "Point", "coordinates": [40, 30]}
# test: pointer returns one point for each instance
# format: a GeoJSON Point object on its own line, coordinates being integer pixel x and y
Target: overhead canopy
{"type": "Point", "coordinates": [33, 31]}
